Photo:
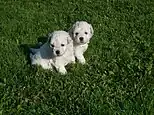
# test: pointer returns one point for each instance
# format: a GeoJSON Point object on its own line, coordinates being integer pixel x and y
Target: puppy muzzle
{"type": "Point", "coordinates": [81, 40]}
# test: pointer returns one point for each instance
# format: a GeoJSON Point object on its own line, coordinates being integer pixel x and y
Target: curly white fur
{"type": "Point", "coordinates": [81, 33]}
{"type": "Point", "coordinates": [56, 52]}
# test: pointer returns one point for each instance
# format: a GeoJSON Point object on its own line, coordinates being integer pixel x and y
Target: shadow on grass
{"type": "Point", "coordinates": [42, 39]}
{"type": "Point", "coordinates": [25, 48]}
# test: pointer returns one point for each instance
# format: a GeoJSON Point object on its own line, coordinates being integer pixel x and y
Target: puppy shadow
{"type": "Point", "coordinates": [24, 48]}
{"type": "Point", "coordinates": [42, 39]}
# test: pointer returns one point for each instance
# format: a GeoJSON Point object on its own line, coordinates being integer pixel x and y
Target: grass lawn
{"type": "Point", "coordinates": [118, 79]}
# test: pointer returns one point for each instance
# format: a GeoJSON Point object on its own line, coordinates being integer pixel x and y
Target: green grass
{"type": "Point", "coordinates": [118, 79]}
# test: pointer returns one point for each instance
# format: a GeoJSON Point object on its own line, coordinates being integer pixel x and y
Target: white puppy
{"type": "Point", "coordinates": [81, 33]}
{"type": "Point", "coordinates": [57, 52]}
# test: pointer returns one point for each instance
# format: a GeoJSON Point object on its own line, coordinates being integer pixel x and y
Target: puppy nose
{"type": "Point", "coordinates": [57, 52]}
{"type": "Point", "coordinates": [81, 38]}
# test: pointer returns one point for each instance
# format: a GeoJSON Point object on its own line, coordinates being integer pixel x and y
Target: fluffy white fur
{"type": "Point", "coordinates": [81, 33]}
{"type": "Point", "coordinates": [56, 52]}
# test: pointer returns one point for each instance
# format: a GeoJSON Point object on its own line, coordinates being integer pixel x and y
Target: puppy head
{"type": "Point", "coordinates": [81, 32]}
{"type": "Point", "coordinates": [58, 41]}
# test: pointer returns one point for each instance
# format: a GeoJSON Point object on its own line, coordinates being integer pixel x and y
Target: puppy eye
{"type": "Point", "coordinates": [86, 33]}
{"type": "Point", "coordinates": [52, 45]}
{"type": "Point", "coordinates": [62, 45]}
{"type": "Point", "coordinates": [76, 33]}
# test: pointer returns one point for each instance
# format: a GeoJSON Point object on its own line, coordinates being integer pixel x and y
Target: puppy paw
{"type": "Point", "coordinates": [80, 58]}
{"type": "Point", "coordinates": [62, 70]}
{"type": "Point", "coordinates": [73, 62]}
{"type": "Point", "coordinates": [82, 61]}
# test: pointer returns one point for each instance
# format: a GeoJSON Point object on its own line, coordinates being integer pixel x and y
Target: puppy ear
{"type": "Point", "coordinates": [91, 30]}
{"type": "Point", "coordinates": [49, 37]}
{"type": "Point", "coordinates": [71, 31]}
{"type": "Point", "coordinates": [69, 40]}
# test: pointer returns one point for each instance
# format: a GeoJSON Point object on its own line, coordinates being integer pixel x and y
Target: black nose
{"type": "Point", "coordinates": [57, 52]}
{"type": "Point", "coordinates": [81, 38]}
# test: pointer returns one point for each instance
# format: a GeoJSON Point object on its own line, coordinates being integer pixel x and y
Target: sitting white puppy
{"type": "Point", "coordinates": [57, 52]}
{"type": "Point", "coordinates": [81, 33]}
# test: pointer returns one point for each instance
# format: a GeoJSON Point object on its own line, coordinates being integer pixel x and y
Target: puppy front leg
{"type": "Point", "coordinates": [47, 66]}
{"type": "Point", "coordinates": [73, 60]}
{"type": "Point", "coordinates": [79, 51]}
{"type": "Point", "coordinates": [61, 69]}
{"type": "Point", "coordinates": [80, 58]}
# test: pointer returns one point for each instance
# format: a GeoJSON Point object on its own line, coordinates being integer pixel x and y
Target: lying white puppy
{"type": "Point", "coordinates": [81, 33]}
{"type": "Point", "coordinates": [57, 52]}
